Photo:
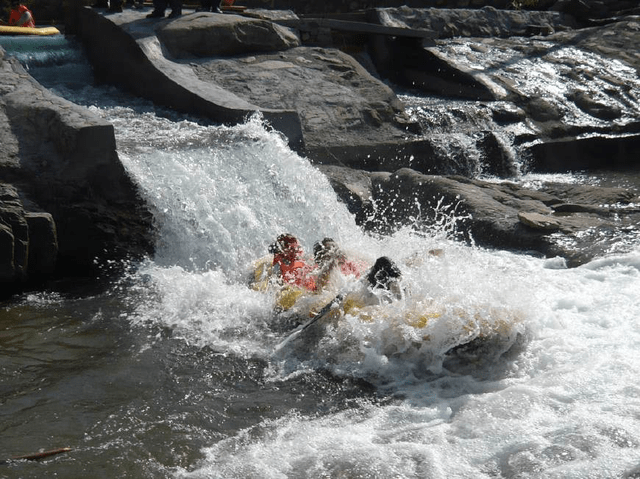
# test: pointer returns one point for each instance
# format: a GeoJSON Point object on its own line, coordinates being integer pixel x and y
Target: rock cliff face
{"type": "Point", "coordinates": [65, 200]}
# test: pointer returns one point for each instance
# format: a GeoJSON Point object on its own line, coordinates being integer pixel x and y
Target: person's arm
{"type": "Point", "coordinates": [25, 20]}
{"type": "Point", "coordinates": [325, 272]}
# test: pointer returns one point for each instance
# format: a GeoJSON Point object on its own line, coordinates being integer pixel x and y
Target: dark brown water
{"type": "Point", "coordinates": [129, 401]}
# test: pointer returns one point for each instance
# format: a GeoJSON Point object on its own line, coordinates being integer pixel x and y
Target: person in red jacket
{"type": "Point", "coordinates": [21, 16]}
{"type": "Point", "coordinates": [288, 260]}
{"type": "Point", "coordinates": [328, 256]}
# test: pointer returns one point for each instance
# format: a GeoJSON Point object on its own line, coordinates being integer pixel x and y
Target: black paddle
{"type": "Point", "coordinates": [381, 273]}
{"type": "Point", "coordinates": [323, 312]}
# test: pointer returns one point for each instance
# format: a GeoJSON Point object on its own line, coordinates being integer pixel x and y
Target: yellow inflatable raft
{"type": "Point", "coordinates": [8, 30]}
{"type": "Point", "coordinates": [423, 317]}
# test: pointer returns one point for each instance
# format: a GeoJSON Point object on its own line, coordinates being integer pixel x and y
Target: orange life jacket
{"type": "Point", "coordinates": [17, 13]}
{"type": "Point", "coordinates": [295, 271]}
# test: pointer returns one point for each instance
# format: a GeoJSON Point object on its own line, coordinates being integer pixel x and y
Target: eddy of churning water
{"type": "Point", "coordinates": [563, 401]}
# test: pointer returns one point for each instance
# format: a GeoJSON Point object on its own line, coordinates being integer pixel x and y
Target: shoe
{"type": "Point", "coordinates": [175, 14]}
{"type": "Point", "coordinates": [156, 14]}
{"type": "Point", "coordinates": [117, 9]}
{"type": "Point", "coordinates": [218, 10]}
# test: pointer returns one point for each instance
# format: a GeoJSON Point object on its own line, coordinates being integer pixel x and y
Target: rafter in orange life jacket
{"type": "Point", "coordinates": [288, 258]}
{"type": "Point", "coordinates": [21, 16]}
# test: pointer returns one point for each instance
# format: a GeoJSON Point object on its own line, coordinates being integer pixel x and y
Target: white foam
{"type": "Point", "coordinates": [565, 405]}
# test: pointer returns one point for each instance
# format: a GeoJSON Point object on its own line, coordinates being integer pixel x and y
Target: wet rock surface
{"type": "Point", "coordinates": [556, 83]}
{"type": "Point", "coordinates": [588, 90]}
{"type": "Point", "coordinates": [569, 84]}
{"type": "Point", "coordinates": [65, 199]}
{"type": "Point", "coordinates": [485, 22]}
{"type": "Point", "coordinates": [575, 222]}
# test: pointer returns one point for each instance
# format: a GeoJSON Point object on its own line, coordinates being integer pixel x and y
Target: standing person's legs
{"type": "Point", "coordinates": [116, 6]}
{"type": "Point", "coordinates": [159, 6]}
{"type": "Point", "coordinates": [176, 8]}
{"type": "Point", "coordinates": [205, 6]}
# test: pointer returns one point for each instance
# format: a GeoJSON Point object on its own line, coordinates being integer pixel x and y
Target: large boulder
{"type": "Point", "coordinates": [345, 112]}
{"type": "Point", "coordinates": [328, 105]}
{"type": "Point", "coordinates": [576, 222]}
{"type": "Point", "coordinates": [67, 205]}
{"type": "Point", "coordinates": [124, 49]}
{"type": "Point", "coordinates": [207, 34]}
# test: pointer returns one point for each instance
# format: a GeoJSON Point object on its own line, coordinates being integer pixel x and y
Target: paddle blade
{"type": "Point", "coordinates": [334, 303]}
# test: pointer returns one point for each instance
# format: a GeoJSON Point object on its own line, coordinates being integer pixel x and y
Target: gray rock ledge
{"type": "Point", "coordinates": [575, 222]}
{"type": "Point", "coordinates": [66, 204]}
{"type": "Point", "coordinates": [324, 101]}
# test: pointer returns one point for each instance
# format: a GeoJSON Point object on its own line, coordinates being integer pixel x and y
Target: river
{"type": "Point", "coordinates": [171, 372]}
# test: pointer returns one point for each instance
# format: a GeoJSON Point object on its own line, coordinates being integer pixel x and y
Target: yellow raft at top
{"type": "Point", "coordinates": [9, 30]}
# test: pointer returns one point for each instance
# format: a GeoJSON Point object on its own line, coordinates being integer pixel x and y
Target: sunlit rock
{"type": "Point", "coordinates": [556, 220]}
{"type": "Point", "coordinates": [538, 221]}
{"type": "Point", "coordinates": [209, 34]}
{"type": "Point", "coordinates": [467, 22]}
{"type": "Point", "coordinates": [589, 103]}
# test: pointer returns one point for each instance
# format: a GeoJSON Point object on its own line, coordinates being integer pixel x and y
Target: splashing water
{"type": "Point", "coordinates": [562, 403]}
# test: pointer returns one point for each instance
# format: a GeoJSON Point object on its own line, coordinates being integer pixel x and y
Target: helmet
{"type": "Point", "coordinates": [383, 272]}
{"type": "Point", "coordinates": [326, 249]}
{"type": "Point", "coordinates": [284, 243]}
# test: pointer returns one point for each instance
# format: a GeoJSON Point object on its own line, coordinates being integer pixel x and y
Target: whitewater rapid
{"type": "Point", "coordinates": [564, 403]}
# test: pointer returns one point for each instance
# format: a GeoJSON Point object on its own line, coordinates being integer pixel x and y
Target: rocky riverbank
{"type": "Point", "coordinates": [560, 92]}
{"type": "Point", "coordinates": [67, 206]}
{"type": "Point", "coordinates": [335, 108]}
{"type": "Point", "coordinates": [573, 222]}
